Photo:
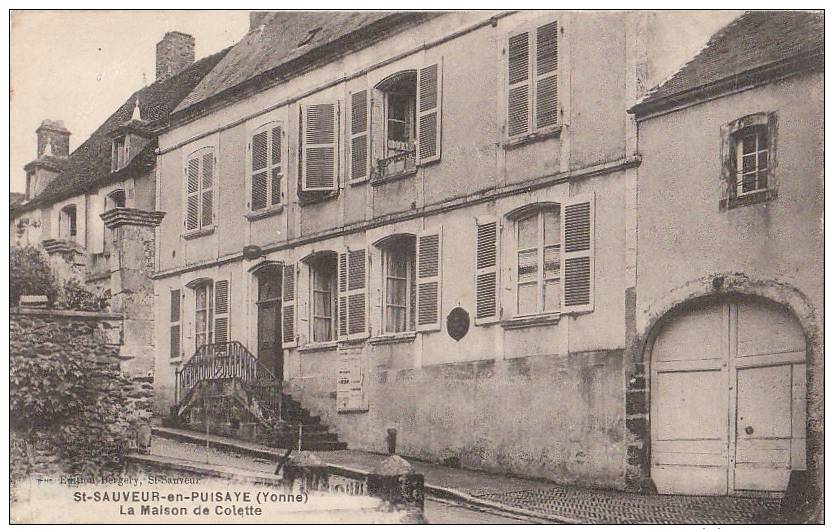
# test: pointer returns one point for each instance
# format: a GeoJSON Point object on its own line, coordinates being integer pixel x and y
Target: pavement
{"type": "Point", "coordinates": [524, 500]}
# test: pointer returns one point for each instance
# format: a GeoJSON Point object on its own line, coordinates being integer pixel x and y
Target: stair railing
{"type": "Point", "coordinates": [229, 360]}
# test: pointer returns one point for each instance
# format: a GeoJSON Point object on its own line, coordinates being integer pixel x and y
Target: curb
{"type": "Point", "coordinates": [435, 491]}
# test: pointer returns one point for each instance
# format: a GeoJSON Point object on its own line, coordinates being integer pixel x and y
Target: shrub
{"type": "Point", "coordinates": [75, 297]}
{"type": "Point", "coordinates": [30, 273]}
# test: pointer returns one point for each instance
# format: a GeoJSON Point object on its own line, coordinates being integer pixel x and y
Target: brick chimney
{"type": "Point", "coordinates": [55, 135]}
{"type": "Point", "coordinates": [174, 53]}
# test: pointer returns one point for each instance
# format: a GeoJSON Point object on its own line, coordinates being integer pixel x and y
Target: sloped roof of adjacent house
{"type": "Point", "coordinates": [286, 43]}
{"type": "Point", "coordinates": [756, 47]}
{"type": "Point", "coordinates": [89, 166]}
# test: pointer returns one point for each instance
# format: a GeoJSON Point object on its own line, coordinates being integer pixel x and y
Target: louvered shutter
{"type": "Point", "coordinates": [221, 311]}
{"type": "Point", "coordinates": [486, 271]}
{"type": "Point", "coordinates": [176, 335]}
{"type": "Point", "coordinates": [429, 259]}
{"type": "Point", "coordinates": [429, 102]}
{"type": "Point", "coordinates": [519, 88]}
{"type": "Point", "coordinates": [275, 138]}
{"type": "Point", "coordinates": [547, 63]}
{"type": "Point", "coordinates": [319, 157]}
{"type": "Point", "coordinates": [207, 192]}
{"type": "Point", "coordinates": [359, 137]}
{"type": "Point", "coordinates": [578, 255]}
{"type": "Point", "coordinates": [192, 213]}
{"type": "Point", "coordinates": [260, 173]}
{"type": "Point", "coordinates": [353, 294]}
{"type": "Point", "coordinates": [288, 304]}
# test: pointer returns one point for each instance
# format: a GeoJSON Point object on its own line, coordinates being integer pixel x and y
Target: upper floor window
{"type": "Point", "coordinates": [319, 147]}
{"type": "Point", "coordinates": [114, 199]}
{"type": "Point", "coordinates": [120, 155]}
{"type": "Point", "coordinates": [266, 173]}
{"type": "Point", "coordinates": [532, 79]}
{"type": "Point", "coordinates": [538, 236]}
{"type": "Point", "coordinates": [399, 292]}
{"type": "Point", "coordinates": [323, 296]}
{"type": "Point", "coordinates": [399, 98]}
{"type": "Point", "coordinates": [748, 160]}
{"type": "Point", "coordinates": [199, 201]}
{"type": "Point", "coordinates": [67, 227]}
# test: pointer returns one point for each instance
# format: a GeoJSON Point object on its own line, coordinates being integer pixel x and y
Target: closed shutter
{"type": "Point", "coordinates": [288, 315]}
{"type": "Point", "coordinates": [429, 260]}
{"type": "Point", "coordinates": [486, 271]}
{"type": "Point", "coordinates": [353, 294]}
{"type": "Point", "coordinates": [207, 205]}
{"type": "Point", "coordinates": [192, 215]}
{"type": "Point", "coordinates": [359, 137]}
{"type": "Point", "coordinates": [221, 311]}
{"type": "Point", "coordinates": [578, 255]}
{"type": "Point", "coordinates": [176, 334]}
{"type": "Point", "coordinates": [547, 63]}
{"type": "Point", "coordinates": [260, 173]}
{"type": "Point", "coordinates": [277, 168]}
{"type": "Point", "coordinates": [519, 88]}
{"type": "Point", "coordinates": [429, 102]}
{"type": "Point", "coordinates": [319, 157]}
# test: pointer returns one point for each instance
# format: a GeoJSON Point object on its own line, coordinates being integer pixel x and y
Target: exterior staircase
{"type": "Point", "coordinates": [225, 390]}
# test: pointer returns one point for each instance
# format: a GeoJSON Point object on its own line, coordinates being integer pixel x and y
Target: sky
{"type": "Point", "coordinates": [79, 66]}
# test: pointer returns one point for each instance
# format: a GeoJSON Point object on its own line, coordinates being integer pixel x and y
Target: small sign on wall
{"type": "Point", "coordinates": [350, 394]}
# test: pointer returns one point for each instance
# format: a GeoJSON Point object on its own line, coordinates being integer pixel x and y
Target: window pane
{"type": "Point", "coordinates": [552, 296]}
{"type": "Point", "coordinates": [528, 232]}
{"type": "Point", "coordinates": [200, 322]}
{"type": "Point", "coordinates": [749, 144]}
{"type": "Point", "coordinates": [528, 265]}
{"type": "Point", "coordinates": [551, 262]}
{"type": "Point", "coordinates": [396, 261]}
{"type": "Point", "coordinates": [748, 163]}
{"type": "Point", "coordinates": [201, 297]}
{"type": "Point", "coordinates": [528, 298]}
{"type": "Point", "coordinates": [762, 160]}
{"type": "Point", "coordinates": [552, 227]}
{"type": "Point", "coordinates": [321, 330]}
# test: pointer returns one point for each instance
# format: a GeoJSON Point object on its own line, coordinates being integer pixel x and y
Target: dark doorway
{"type": "Point", "coordinates": [269, 320]}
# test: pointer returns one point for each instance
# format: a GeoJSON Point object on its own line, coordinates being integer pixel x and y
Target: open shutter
{"type": "Point", "coordinates": [578, 255]}
{"type": "Point", "coordinates": [260, 174]}
{"type": "Point", "coordinates": [486, 271]}
{"type": "Point", "coordinates": [192, 207]}
{"type": "Point", "coordinates": [342, 312]}
{"type": "Point", "coordinates": [176, 334]}
{"type": "Point", "coordinates": [221, 311]}
{"type": "Point", "coordinates": [429, 100]}
{"type": "Point", "coordinates": [288, 306]}
{"type": "Point", "coordinates": [353, 294]}
{"type": "Point", "coordinates": [429, 258]}
{"type": "Point", "coordinates": [547, 63]}
{"type": "Point", "coordinates": [319, 158]}
{"type": "Point", "coordinates": [359, 139]}
{"type": "Point", "coordinates": [275, 138]}
{"type": "Point", "coordinates": [207, 192]}
{"type": "Point", "coordinates": [519, 92]}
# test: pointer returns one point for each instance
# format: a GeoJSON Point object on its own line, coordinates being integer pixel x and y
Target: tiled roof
{"type": "Point", "coordinates": [754, 41]}
{"type": "Point", "coordinates": [89, 165]}
{"type": "Point", "coordinates": [284, 37]}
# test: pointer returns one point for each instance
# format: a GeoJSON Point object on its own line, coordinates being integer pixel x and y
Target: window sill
{"type": "Point", "coordinates": [202, 232]}
{"type": "Point", "coordinates": [175, 361]}
{"type": "Point", "coordinates": [400, 337]}
{"type": "Point", "coordinates": [315, 347]}
{"type": "Point", "coordinates": [308, 198]}
{"type": "Point", "coordinates": [264, 213]}
{"type": "Point", "coordinates": [537, 320]}
{"type": "Point", "coordinates": [747, 199]}
{"type": "Point", "coordinates": [539, 135]}
{"type": "Point", "coordinates": [358, 181]}
{"type": "Point", "coordinates": [402, 175]}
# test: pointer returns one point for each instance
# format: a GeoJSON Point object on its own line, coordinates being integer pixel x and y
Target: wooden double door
{"type": "Point", "coordinates": [728, 400]}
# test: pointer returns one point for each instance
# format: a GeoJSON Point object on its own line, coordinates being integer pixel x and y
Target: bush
{"type": "Point", "coordinates": [30, 273]}
{"type": "Point", "coordinates": [75, 297]}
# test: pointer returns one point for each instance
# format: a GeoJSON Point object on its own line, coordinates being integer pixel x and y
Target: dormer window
{"type": "Point", "coordinates": [120, 153]}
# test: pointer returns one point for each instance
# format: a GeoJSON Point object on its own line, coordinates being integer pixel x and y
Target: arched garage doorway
{"type": "Point", "coordinates": [728, 399]}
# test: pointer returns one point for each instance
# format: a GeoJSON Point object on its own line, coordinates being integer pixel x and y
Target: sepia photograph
{"type": "Point", "coordinates": [416, 267]}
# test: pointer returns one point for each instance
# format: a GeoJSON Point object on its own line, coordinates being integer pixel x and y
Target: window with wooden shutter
{"type": "Point", "coordinates": [288, 306]}
{"type": "Point", "coordinates": [429, 260]}
{"type": "Point", "coordinates": [538, 247]}
{"type": "Point", "coordinates": [429, 102]}
{"type": "Point", "coordinates": [359, 140]}
{"type": "Point", "coordinates": [578, 254]}
{"type": "Point", "coordinates": [353, 294]}
{"type": "Point", "coordinates": [199, 192]}
{"type": "Point", "coordinates": [532, 79]}
{"type": "Point", "coordinates": [486, 271]}
{"type": "Point", "coordinates": [176, 334]}
{"type": "Point", "coordinates": [266, 168]}
{"type": "Point", "coordinates": [319, 162]}
{"type": "Point", "coordinates": [221, 311]}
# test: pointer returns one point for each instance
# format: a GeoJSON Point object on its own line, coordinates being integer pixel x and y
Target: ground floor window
{"type": "Point", "coordinates": [323, 297]}
{"type": "Point", "coordinates": [538, 262]}
{"type": "Point", "coordinates": [202, 314]}
{"type": "Point", "coordinates": [399, 293]}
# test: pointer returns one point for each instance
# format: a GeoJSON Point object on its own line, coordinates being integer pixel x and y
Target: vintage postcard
{"type": "Point", "coordinates": [477, 267]}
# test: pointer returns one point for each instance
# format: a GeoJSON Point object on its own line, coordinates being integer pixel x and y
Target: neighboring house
{"type": "Point", "coordinates": [421, 222]}
{"type": "Point", "coordinates": [92, 210]}
{"type": "Point", "coordinates": [728, 323]}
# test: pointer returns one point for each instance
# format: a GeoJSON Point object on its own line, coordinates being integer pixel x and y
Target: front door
{"type": "Point", "coordinates": [728, 400]}
{"type": "Point", "coordinates": [270, 352]}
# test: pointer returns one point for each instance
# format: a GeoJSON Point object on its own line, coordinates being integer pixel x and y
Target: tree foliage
{"type": "Point", "coordinates": [30, 273]}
